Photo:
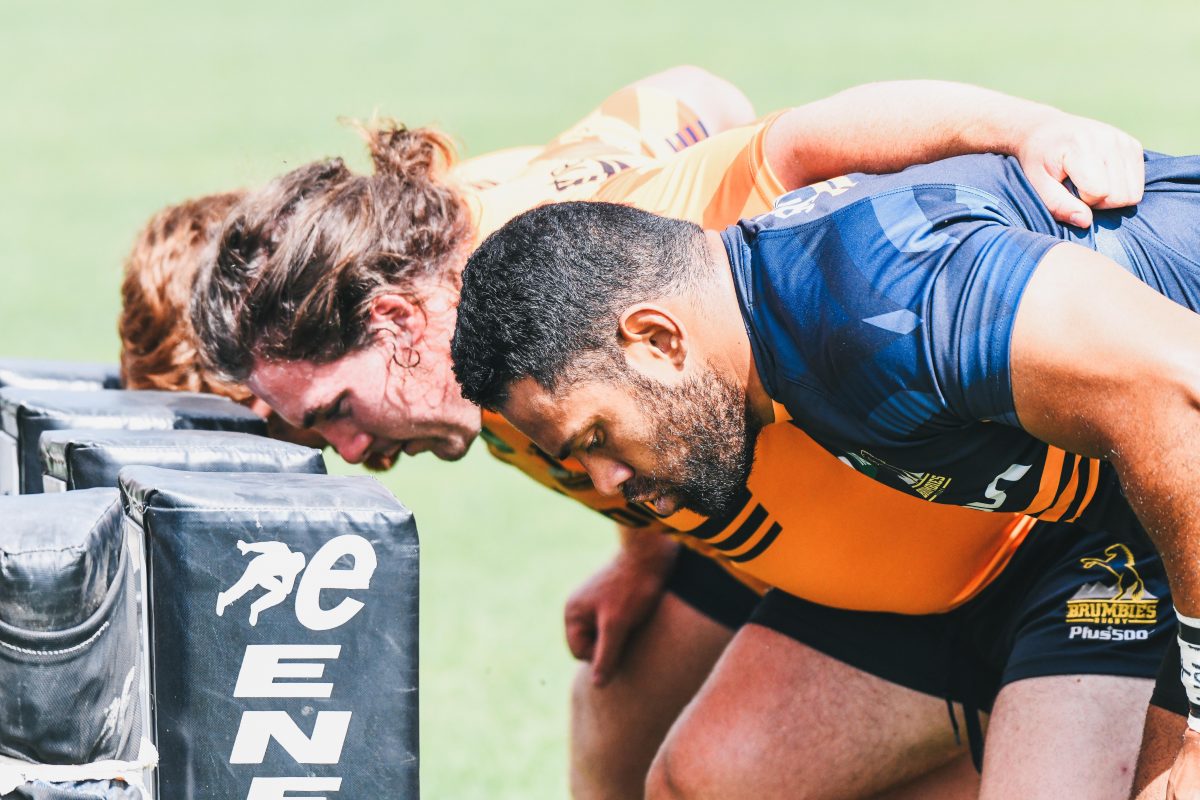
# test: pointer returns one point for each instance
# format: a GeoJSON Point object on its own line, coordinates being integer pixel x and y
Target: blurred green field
{"type": "Point", "coordinates": [111, 110]}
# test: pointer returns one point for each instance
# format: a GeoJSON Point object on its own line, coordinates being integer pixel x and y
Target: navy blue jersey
{"type": "Point", "coordinates": [880, 310]}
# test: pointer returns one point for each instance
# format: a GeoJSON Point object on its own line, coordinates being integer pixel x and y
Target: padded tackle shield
{"type": "Point", "coordinates": [27, 413]}
{"type": "Point", "coordinates": [28, 373]}
{"type": "Point", "coordinates": [73, 685]}
{"type": "Point", "coordinates": [84, 459]}
{"type": "Point", "coordinates": [284, 634]}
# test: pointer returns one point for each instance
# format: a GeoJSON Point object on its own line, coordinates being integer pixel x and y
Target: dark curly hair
{"type": "Point", "coordinates": [542, 296]}
{"type": "Point", "coordinates": [299, 262]}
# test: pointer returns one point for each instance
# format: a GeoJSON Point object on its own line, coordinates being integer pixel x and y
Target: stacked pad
{"type": "Point", "coordinates": [284, 630]}
{"type": "Point", "coordinates": [83, 459]}
{"type": "Point", "coordinates": [25, 373]}
{"type": "Point", "coordinates": [27, 413]}
{"type": "Point", "coordinates": [73, 688]}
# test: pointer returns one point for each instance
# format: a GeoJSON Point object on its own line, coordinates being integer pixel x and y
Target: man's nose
{"type": "Point", "coordinates": [607, 474]}
{"type": "Point", "coordinates": [351, 445]}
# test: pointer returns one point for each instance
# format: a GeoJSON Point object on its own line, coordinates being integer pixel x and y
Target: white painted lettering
{"type": "Point", "coordinates": [261, 670]}
{"type": "Point", "coordinates": [279, 788]}
{"type": "Point", "coordinates": [321, 575]}
{"type": "Point", "coordinates": [257, 728]}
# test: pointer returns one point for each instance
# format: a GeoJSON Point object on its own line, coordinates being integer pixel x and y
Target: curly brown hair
{"type": "Point", "coordinates": [158, 348]}
{"type": "Point", "coordinates": [299, 262]}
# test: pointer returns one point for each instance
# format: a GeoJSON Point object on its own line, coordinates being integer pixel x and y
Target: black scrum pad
{"type": "Point", "coordinates": [27, 413]}
{"type": "Point", "coordinates": [284, 630]}
{"type": "Point", "coordinates": [28, 373]}
{"type": "Point", "coordinates": [84, 459]}
{"type": "Point", "coordinates": [72, 680]}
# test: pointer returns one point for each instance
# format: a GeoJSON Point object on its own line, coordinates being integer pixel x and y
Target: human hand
{"type": "Point", "coordinates": [609, 606]}
{"type": "Point", "coordinates": [1184, 782]}
{"type": "Point", "coordinates": [1103, 162]}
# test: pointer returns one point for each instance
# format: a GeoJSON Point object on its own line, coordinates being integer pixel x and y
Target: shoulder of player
{"type": "Point", "coordinates": [926, 195]}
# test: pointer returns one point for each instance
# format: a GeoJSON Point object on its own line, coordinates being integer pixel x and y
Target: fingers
{"type": "Point", "coordinates": [1104, 164]}
{"type": "Point", "coordinates": [610, 641]}
{"type": "Point", "coordinates": [1091, 175]}
{"type": "Point", "coordinates": [1132, 168]}
{"type": "Point", "coordinates": [1109, 177]}
{"type": "Point", "coordinates": [580, 630]}
{"type": "Point", "coordinates": [1066, 207]}
{"type": "Point", "coordinates": [581, 641]}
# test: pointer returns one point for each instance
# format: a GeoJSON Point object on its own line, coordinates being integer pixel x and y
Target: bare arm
{"type": "Point", "coordinates": [1104, 366]}
{"type": "Point", "coordinates": [884, 127]}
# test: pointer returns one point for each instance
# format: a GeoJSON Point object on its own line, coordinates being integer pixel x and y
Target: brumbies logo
{"type": "Point", "coordinates": [1125, 602]}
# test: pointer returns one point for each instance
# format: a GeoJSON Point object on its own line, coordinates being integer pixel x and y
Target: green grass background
{"type": "Point", "coordinates": [109, 110]}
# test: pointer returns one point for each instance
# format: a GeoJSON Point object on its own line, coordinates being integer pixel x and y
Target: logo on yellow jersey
{"type": "Point", "coordinates": [1125, 602]}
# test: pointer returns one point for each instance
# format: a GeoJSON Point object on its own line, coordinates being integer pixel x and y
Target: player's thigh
{"type": "Point", "coordinates": [777, 718]}
{"type": "Point", "coordinates": [1161, 735]}
{"type": "Point", "coordinates": [664, 663]}
{"type": "Point", "coordinates": [1065, 736]}
{"type": "Point", "coordinates": [616, 729]}
{"type": "Point", "coordinates": [955, 780]}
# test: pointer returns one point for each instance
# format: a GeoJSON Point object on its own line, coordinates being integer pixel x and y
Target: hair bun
{"type": "Point", "coordinates": [414, 154]}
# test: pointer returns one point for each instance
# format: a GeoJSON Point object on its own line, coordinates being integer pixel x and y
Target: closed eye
{"type": "Point", "coordinates": [340, 410]}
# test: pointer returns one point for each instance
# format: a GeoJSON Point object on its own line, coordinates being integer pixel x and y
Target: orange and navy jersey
{"type": "Point", "coordinates": [832, 536]}
{"type": "Point", "coordinates": [881, 314]}
{"type": "Point", "coordinates": [633, 128]}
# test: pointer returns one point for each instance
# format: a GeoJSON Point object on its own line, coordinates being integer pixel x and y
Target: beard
{"type": "Point", "coordinates": [705, 433]}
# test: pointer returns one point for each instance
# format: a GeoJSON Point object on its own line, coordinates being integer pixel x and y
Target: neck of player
{"type": "Point", "coordinates": [726, 335]}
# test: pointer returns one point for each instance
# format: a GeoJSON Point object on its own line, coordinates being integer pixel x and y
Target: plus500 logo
{"type": "Point", "coordinates": [1106, 634]}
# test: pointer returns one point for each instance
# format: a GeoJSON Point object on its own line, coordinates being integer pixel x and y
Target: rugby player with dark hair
{"type": "Point", "coordinates": [333, 296]}
{"type": "Point", "coordinates": [937, 330]}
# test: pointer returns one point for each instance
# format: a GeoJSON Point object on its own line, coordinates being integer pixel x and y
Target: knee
{"type": "Point", "coordinates": [605, 760]}
{"type": "Point", "coordinates": [661, 783]}
{"type": "Point", "coordinates": [682, 771]}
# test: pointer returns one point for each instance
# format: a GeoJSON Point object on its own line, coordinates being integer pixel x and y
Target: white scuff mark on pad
{"type": "Point", "coordinates": [14, 772]}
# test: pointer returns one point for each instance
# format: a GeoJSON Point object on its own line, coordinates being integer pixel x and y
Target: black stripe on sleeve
{"type": "Point", "coordinates": [763, 544]}
{"type": "Point", "coordinates": [742, 535]}
{"type": "Point", "coordinates": [715, 525]}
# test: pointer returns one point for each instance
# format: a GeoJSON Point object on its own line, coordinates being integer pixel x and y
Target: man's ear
{"type": "Point", "coordinates": [397, 314]}
{"type": "Point", "coordinates": [653, 337]}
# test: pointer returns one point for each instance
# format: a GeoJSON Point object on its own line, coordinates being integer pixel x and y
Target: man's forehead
{"type": "Point", "coordinates": [552, 419]}
{"type": "Point", "coordinates": [283, 383]}
{"type": "Point", "coordinates": [541, 414]}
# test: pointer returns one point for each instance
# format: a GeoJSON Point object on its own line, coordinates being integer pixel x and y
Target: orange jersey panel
{"type": "Point", "coordinates": [631, 129]}
{"type": "Point", "coordinates": [813, 527]}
